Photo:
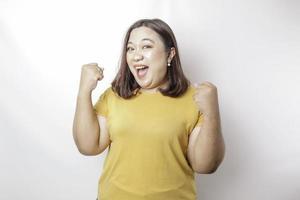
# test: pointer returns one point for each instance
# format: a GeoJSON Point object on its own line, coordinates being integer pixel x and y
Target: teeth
{"type": "Point", "coordinates": [141, 67]}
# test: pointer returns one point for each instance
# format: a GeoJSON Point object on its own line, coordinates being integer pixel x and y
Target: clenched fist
{"type": "Point", "coordinates": [206, 98]}
{"type": "Point", "coordinates": [90, 75]}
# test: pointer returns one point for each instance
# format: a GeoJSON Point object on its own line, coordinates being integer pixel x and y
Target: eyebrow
{"type": "Point", "coordinates": [144, 39]}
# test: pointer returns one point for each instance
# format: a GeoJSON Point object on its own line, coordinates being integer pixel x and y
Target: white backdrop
{"type": "Point", "coordinates": [249, 49]}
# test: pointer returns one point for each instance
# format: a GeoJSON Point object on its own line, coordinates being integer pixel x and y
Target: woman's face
{"type": "Point", "coordinates": [147, 58]}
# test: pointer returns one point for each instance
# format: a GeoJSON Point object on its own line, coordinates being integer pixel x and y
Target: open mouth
{"type": "Point", "coordinates": [142, 71]}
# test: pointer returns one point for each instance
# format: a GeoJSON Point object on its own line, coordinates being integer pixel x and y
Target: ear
{"type": "Point", "coordinates": [171, 54]}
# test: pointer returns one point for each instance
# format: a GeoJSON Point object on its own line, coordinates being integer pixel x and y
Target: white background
{"type": "Point", "coordinates": [249, 49]}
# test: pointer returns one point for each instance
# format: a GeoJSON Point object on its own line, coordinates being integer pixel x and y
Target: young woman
{"type": "Point", "coordinates": [159, 128]}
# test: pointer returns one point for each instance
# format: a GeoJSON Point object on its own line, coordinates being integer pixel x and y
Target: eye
{"type": "Point", "coordinates": [129, 49]}
{"type": "Point", "coordinates": [147, 46]}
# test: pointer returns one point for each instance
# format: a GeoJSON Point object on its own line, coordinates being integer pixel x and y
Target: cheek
{"type": "Point", "coordinates": [155, 56]}
{"type": "Point", "coordinates": [159, 72]}
{"type": "Point", "coordinates": [127, 59]}
{"type": "Point", "coordinates": [157, 59]}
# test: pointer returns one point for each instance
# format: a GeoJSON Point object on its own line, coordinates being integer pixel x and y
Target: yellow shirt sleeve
{"type": "Point", "coordinates": [101, 105]}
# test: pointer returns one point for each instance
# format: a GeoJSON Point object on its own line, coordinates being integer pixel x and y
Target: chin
{"type": "Point", "coordinates": [145, 85]}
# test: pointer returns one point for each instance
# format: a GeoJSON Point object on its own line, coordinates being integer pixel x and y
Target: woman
{"type": "Point", "coordinates": [159, 128]}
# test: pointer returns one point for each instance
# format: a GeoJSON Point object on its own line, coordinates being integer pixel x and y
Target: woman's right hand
{"type": "Point", "coordinates": [90, 75]}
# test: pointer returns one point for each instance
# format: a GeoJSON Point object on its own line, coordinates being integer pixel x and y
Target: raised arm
{"type": "Point", "coordinates": [86, 129]}
{"type": "Point", "coordinates": [206, 148]}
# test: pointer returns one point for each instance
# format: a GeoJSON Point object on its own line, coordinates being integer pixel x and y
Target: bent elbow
{"type": "Point", "coordinates": [84, 152]}
{"type": "Point", "coordinates": [88, 151]}
{"type": "Point", "coordinates": [206, 170]}
{"type": "Point", "coordinates": [210, 168]}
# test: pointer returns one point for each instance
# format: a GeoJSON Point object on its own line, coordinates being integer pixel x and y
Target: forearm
{"type": "Point", "coordinates": [86, 131]}
{"type": "Point", "coordinates": [209, 146]}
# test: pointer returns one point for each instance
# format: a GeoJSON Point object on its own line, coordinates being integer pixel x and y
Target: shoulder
{"type": "Point", "coordinates": [110, 93]}
{"type": "Point", "coordinates": [188, 94]}
{"type": "Point", "coordinates": [108, 90]}
{"type": "Point", "coordinates": [106, 93]}
{"type": "Point", "coordinates": [191, 90]}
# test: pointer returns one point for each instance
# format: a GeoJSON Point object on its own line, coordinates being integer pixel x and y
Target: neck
{"type": "Point", "coordinates": [155, 89]}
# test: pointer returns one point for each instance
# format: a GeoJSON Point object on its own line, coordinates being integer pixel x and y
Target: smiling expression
{"type": "Point", "coordinates": [147, 58]}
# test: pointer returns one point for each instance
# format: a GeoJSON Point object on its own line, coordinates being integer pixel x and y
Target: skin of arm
{"type": "Point", "coordinates": [206, 148]}
{"type": "Point", "coordinates": [86, 129]}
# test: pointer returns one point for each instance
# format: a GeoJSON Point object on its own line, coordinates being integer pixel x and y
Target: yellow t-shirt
{"type": "Point", "coordinates": [147, 157]}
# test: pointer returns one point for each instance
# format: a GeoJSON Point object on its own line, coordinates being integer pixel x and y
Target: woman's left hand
{"type": "Point", "coordinates": [206, 98]}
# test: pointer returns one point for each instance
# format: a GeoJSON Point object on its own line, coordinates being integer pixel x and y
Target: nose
{"type": "Point", "coordinates": [138, 56]}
